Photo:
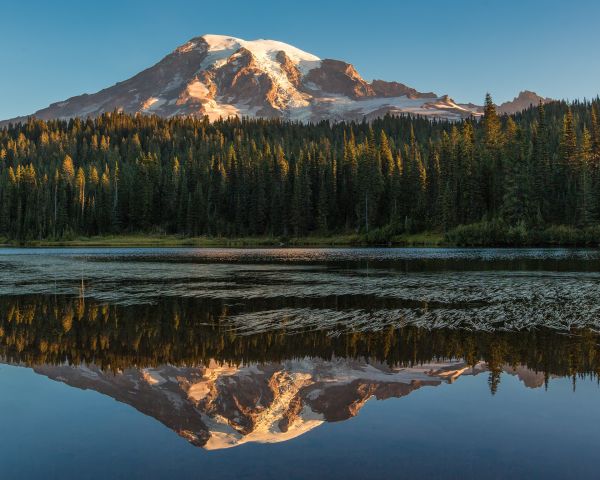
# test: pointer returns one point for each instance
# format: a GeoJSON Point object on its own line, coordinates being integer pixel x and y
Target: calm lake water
{"type": "Point", "coordinates": [299, 363]}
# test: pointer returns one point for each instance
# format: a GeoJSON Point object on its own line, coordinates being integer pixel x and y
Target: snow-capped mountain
{"type": "Point", "coordinates": [221, 406]}
{"type": "Point", "coordinates": [222, 76]}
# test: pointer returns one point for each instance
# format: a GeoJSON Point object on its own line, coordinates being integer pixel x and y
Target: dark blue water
{"type": "Point", "coordinates": [152, 363]}
{"type": "Point", "coordinates": [455, 431]}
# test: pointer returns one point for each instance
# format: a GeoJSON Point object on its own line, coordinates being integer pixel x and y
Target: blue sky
{"type": "Point", "coordinates": [54, 50]}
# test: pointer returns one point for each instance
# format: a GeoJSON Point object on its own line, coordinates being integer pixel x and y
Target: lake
{"type": "Point", "coordinates": [299, 363]}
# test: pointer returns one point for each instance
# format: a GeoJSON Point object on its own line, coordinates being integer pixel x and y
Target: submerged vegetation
{"type": "Point", "coordinates": [532, 178]}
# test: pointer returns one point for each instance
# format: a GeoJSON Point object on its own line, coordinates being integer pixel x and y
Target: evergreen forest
{"type": "Point", "coordinates": [529, 178]}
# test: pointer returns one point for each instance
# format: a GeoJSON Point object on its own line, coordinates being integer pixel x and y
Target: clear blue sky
{"type": "Point", "coordinates": [54, 50]}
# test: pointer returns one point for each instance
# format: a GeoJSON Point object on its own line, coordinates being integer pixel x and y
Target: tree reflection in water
{"type": "Point", "coordinates": [182, 362]}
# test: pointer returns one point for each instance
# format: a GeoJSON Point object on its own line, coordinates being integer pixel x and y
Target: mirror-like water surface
{"type": "Point", "coordinates": [299, 363]}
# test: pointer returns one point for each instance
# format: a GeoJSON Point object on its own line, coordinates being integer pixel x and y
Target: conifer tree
{"type": "Point", "coordinates": [137, 174]}
{"type": "Point", "coordinates": [568, 173]}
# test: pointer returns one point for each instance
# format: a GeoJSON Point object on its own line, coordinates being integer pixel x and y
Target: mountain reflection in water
{"type": "Point", "coordinates": [182, 362]}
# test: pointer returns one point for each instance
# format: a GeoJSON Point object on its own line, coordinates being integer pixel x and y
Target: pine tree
{"type": "Point", "coordinates": [80, 188]}
{"type": "Point", "coordinates": [587, 213]}
{"type": "Point", "coordinates": [544, 187]}
{"type": "Point", "coordinates": [492, 127]}
{"type": "Point", "coordinates": [120, 173]}
{"type": "Point", "coordinates": [517, 201]}
{"type": "Point", "coordinates": [568, 173]}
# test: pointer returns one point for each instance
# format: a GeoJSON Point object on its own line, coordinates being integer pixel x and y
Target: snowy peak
{"type": "Point", "coordinates": [265, 51]}
{"type": "Point", "coordinates": [221, 76]}
{"type": "Point", "coordinates": [219, 406]}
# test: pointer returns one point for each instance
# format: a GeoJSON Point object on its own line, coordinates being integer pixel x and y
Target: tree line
{"type": "Point", "coordinates": [120, 173]}
{"type": "Point", "coordinates": [54, 329]}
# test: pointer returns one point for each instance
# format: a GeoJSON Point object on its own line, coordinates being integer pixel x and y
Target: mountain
{"type": "Point", "coordinates": [524, 100]}
{"type": "Point", "coordinates": [222, 76]}
{"type": "Point", "coordinates": [221, 406]}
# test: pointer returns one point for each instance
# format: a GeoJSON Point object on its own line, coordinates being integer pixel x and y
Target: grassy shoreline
{"type": "Point", "coordinates": [150, 240]}
{"type": "Point", "coordinates": [484, 234]}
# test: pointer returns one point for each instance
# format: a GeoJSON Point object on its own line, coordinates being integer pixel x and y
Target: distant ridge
{"type": "Point", "coordinates": [521, 102]}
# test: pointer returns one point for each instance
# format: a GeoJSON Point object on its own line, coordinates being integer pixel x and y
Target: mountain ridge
{"type": "Point", "coordinates": [524, 100]}
{"type": "Point", "coordinates": [221, 76]}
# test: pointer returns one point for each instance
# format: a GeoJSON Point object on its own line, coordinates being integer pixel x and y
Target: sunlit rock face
{"type": "Point", "coordinates": [221, 406]}
{"type": "Point", "coordinates": [524, 100]}
{"type": "Point", "coordinates": [219, 77]}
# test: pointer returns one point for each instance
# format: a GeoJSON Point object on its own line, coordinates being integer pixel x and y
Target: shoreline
{"type": "Point", "coordinates": [141, 240]}
{"type": "Point", "coordinates": [425, 240]}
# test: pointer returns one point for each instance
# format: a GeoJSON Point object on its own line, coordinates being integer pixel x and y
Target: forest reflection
{"type": "Point", "coordinates": [54, 330]}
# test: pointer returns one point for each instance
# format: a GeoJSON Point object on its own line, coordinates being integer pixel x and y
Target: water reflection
{"type": "Point", "coordinates": [182, 362]}
{"type": "Point", "coordinates": [178, 331]}
{"type": "Point", "coordinates": [227, 347]}
{"type": "Point", "coordinates": [220, 406]}
{"type": "Point", "coordinates": [344, 290]}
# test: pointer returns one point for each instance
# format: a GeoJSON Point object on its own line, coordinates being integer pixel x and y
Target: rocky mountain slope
{"type": "Point", "coordinates": [222, 406]}
{"type": "Point", "coordinates": [222, 76]}
{"type": "Point", "coordinates": [524, 100]}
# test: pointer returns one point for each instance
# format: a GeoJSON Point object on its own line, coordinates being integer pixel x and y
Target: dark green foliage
{"type": "Point", "coordinates": [190, 331]}
{"type": "Point", "coordinates": [122, 174]}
